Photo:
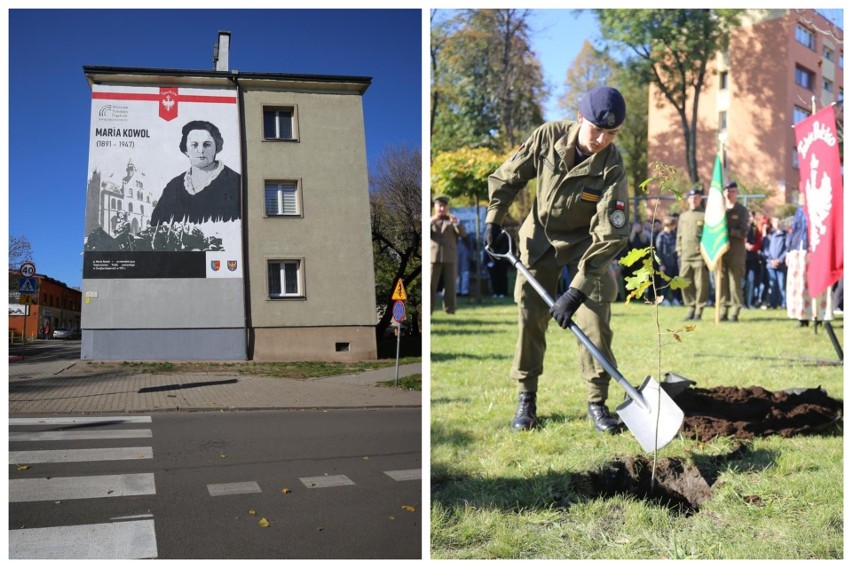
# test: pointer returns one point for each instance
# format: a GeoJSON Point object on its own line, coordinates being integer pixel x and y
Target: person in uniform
{"type": "Point", "coordinates": [734, 260]}
{"type": "Point", "coordinates": [444, 230]}
{"type": "Point", "coordinates": [688, 248]}
{"type": "Point", "coordinates": [579, 220]}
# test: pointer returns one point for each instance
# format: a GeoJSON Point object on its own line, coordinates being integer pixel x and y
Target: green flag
{"type": "Point", "coordinates": [714, 237]}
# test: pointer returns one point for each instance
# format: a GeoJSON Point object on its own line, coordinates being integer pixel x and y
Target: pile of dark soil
{"type": "Point", "coordinates": [746, 413]}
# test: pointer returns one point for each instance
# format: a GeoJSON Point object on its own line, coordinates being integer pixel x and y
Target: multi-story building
{"type": "Point", "coordinates": [53, 305]}
{"type": "Point", "coordinates": [238, 222]}
{"type": "Point", "coordinates": [781, 64]}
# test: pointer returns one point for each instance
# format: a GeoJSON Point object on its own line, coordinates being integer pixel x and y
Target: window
{"type": "Point", "coordinates": [806, 37]}
{"type": "Point", "coordinates": [795, 158]}
{"type": "Point", "coordinates": [723, 120]}
{"type": "Point", "coordinates": [827, 54]}
{"type": "Point", "coordinates": [284, 278]}
{"type": "Point", "coordinates": [279, 124]}
{"type": "Point", "coordinates": [827, 86]}
{"type": "Point", "coordinates": [804, 78]}
{"type": "Point", "coordinates": [723, 80]}
{"type": "Point", "coordinates": [282, 198]}
{"type": "Point", "coordinates": [799, 114]}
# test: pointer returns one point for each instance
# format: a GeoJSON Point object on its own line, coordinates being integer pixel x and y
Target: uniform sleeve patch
{"type": "Point", "coordinates": [618, 218]}
{"type": "Point", "coordinates": [591, 195]}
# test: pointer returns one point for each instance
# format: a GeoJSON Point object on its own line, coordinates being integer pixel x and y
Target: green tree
{"type": "Point", "coordinates": [487, 84]}
{"type": "Point", "coordinates": [395, 219]}
{"type": "Point", "coordinates": [675, 48]}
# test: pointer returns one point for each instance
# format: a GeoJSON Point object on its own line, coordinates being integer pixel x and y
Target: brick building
{"type": "Point", "coordinates": [54, 305]}
{"type": "Point", "coordinates": [780, 63]}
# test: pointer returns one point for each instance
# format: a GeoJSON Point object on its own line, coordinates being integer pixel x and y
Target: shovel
{"type": "Point", "coordinates": [649, 412]}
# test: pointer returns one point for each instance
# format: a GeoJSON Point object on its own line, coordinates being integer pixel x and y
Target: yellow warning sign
{"type": "Point", "coordinates": [399, 291]}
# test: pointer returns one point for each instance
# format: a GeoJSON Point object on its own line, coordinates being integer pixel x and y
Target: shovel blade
{"type": "Point", "coordinates": [656, 427]}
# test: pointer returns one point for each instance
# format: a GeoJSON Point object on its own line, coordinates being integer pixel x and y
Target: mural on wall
{"type": "Point", "coordinates": [163, 195]}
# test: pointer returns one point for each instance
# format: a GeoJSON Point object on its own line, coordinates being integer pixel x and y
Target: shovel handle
{"type": "Point", "coordinates": [584, 339]}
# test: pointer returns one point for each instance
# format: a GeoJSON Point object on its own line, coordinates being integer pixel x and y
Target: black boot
{"type": "Point", "coordinates": [602, 419]}
{"type": "Point", "coordinates": [690, 315]}
{"type": "Point", "coordinates": [525, 418]}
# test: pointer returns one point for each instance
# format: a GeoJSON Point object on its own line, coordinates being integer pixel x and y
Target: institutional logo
{"type": "Point", "coordinates": [168, 103]}
{"type": "Point", "coordinates": [215, 265]}
{"type": "Point", "coordinates": [232, 265]}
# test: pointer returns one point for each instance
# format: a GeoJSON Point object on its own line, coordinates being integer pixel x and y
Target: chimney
{"type": "Point", "coordinates": [221, 51]}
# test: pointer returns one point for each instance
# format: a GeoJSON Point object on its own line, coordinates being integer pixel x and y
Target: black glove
{"type": "Point", "coordinates": [566, 305]}
{"type": "Point", "coordinates": [493, 234]}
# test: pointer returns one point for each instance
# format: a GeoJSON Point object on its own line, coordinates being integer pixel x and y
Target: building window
{"type": "Point", "coordinates": [723, 80]}
{"type": "Point", "coordinates": [799, 114]}
{"type": "Point", "coordinates": [806, 37]}
{"type": "Point", "coordinates": [285, 279]}
{"type": "Point", "coordinates": [723, 120]}
{"type": "Point", "coordinates": [804, 78]}
{"type": "Point", "coordinates": [827, 53]}
{"type": "Point", "coordinates": [827, 86]}
{"type": "Point", "coordinates": [795, 158]}
{"type": "Point", "coordinates": [282, 198]}
{"type": "Point", "coordinates": [279, 123]}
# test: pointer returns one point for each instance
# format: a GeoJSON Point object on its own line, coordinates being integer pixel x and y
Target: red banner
{"type": "Point", "coordinates": [821, 184]}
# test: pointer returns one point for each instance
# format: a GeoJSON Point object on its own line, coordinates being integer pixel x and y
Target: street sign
{"type": "Point", "coordinates": [399, 291]}
{"type": "Point", "coordinates": [27, 269]}
{"type": "Point", "coordinates": [398, 311]}
{"type": "Point", "coordinates": [27, 285]}
{"type": "Point", "coordinates": [26, 299]}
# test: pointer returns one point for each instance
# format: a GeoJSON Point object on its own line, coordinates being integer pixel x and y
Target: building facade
{"type": "Point", "coordinates": [227, 217]}
{"type": "Point", "coordinates": [780, 64]}
{"type": "Point", "coordinates": [53, 306]}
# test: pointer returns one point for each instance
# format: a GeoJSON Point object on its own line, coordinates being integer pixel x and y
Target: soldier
{"type": "Point", "coordinates": [688, 247]}
{"type": "Point", "coordinates": [579, 220]}
{"type": "Point", "coordinates": [444, 230]}
{"type": "Point", "coordinates": [734, 260]}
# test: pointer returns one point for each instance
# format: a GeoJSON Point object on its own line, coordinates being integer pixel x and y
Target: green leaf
{"type": "Point", "coordinates": [634, 255]}
{"type": "Point", "coordinates": [678, 283]}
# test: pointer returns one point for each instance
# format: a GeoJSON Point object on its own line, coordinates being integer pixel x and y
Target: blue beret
{"type": "Point", "coordinates": [604, 107]}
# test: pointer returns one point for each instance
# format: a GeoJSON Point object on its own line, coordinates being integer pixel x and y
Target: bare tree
{"type": "Point", "coordinates": [20, 250]}
{"type": "Point", "coordinates": [395, 217]}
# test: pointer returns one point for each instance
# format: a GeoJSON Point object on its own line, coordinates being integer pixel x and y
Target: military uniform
{"type": "Point", "coordinates": [444, 256]}
{"type": "Point", "coordinates": [692, 266]}
{"type": "Point", "coordinates": [578, 219]}
{"type": "Point", "coordinates": [734, 263]}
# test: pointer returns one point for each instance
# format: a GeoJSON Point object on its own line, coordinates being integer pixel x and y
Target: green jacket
{"type": "Point", "coordinates": [690, 226]}
{"type": "Point", "coordinates": [576, 205]}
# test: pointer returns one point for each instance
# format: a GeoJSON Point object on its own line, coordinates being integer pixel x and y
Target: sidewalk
{"type": "Point", "coordinates": [65, 386]}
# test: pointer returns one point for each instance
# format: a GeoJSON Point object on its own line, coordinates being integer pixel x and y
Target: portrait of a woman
{"type": "Point", "coordinates": [209, 190]}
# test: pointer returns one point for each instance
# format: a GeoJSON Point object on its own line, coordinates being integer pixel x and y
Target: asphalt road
{"type": "Point", "coordinates": [335, 484]}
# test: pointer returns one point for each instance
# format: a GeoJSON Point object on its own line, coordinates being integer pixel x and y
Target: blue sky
{"type": "Point", "coordinates": [50, 99]}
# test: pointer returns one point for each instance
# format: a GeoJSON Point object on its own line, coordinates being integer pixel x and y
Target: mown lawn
{"type": "Point", "coordinates": [495, 494]}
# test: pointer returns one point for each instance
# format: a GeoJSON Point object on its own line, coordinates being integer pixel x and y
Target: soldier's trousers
{"type": "Point", "coordinates": [695, 295]}
{"type": "Point", "coordinates": [447, 271]}
{"type": "Point", "coordinates": [593, 317]}
{"type": "Point", "coordinates": [733, 273]}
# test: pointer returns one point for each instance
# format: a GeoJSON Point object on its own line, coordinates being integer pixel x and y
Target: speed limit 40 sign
{"type": "Point", "coordinates": [27, 269]}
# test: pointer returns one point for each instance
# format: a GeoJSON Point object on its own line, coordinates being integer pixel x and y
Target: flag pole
{"type": "Point", "coordinates": [718, 268]}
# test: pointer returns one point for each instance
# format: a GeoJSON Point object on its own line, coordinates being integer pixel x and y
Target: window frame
{"type": "Point", "coordinates": [298, 197]}
{"type": "Point", "coordinates": [804, 72]}
{"type": "Point", "coordinates": [804, 33]}
{"type": "Point", "coordinates": [294, 123]}
{"type": "Point", "coordinates": [300, 278]}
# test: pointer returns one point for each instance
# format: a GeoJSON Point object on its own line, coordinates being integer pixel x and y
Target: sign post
{"type": "Point", "coordinates": [27, 285]}
{"type": "Point", "coordinates": [399, 296]}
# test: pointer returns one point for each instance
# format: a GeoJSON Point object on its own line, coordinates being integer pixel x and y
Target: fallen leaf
{"type": "Point", "coordinates": [391, 517]}
{"type": "Point", "coordinates": [252, 512]}
{"type": "Point", "coordinates": [223, 456]}
{"type": "Point", "coordinates": [23, 467]}
{"type": "Point", "coordinates": [408, 508]}
{"type": "Point", "coordinates": [366, 457]}
{"type": "Point", "coordinates": [263, 523]}
{"type": "Point", "coordinates": [285, 490]}
{"type": "Point", "coordinates": [110, 491]}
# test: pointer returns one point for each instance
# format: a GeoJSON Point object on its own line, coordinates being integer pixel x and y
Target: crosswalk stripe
{"type": "Point", "coordinates": [326, 481]}
{"type": "Point", "coordinates": [83, 455]}
{"type": "Point", "coordinates": [90, 487]}
{"type": "Point", "coordinates": [239, 488]}
{"type": "Point", "coordinates": [79, 420]}
{"type": "Point", "coordinates": [133, 539]}
{"type": "Point", "coordinates": [77, 435]}
{"type": "Point", "coordinates": [405, 474]}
